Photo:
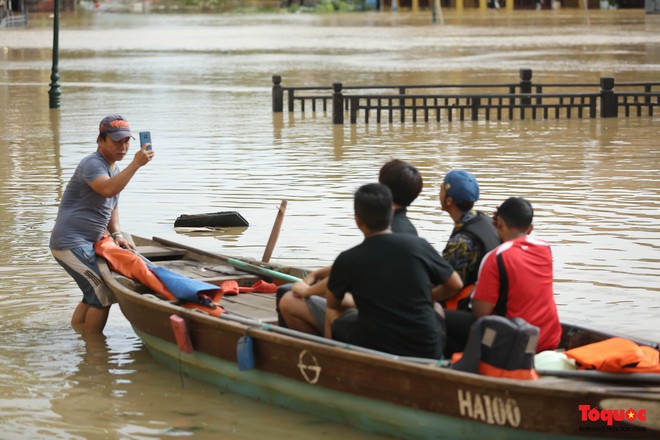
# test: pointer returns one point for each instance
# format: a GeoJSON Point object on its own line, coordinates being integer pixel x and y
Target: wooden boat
{"type": "Point", "coordinates": [379, 392]}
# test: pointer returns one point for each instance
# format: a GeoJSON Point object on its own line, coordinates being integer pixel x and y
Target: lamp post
{"type": "Point", "coordinates": [54, 92]}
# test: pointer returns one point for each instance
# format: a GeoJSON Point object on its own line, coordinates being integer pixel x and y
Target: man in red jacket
{"type": "Point", "coordinates": [515, 279]}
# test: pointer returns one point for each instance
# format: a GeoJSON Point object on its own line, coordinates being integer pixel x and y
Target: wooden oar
{"type": "Point", "coordinates": [274, 233]}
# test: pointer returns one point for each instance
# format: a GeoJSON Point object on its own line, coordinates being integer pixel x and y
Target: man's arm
{"type": "Point", "coordinates": [301, 289]}
{"type": "Point", "coordinates": [315, 283]}
{"type": "Point", "coordinates": [111, 186]}
{"type": "Point", "coordinates": [114, 228]}
{"type": "Point", "coordinates": [486, 293]}
{"type": "Point", "coordinates": [317, 275]}
{"type": "Point", "coordinates": [462, 253]}
{"type": "Point", "coordinates": [333, 310]}
{"type": "Point", "coordinates": [482, 308]}
{"type": "Point", "coordinates": [448, 289]}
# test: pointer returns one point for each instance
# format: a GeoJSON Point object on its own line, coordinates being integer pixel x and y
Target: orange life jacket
{"type": "Point", "coordinates": [487, 369]}
{"type": "Point", "coordinates": [616, 355]}
{"type": "Point", "coordinates": [231, 287]}
{"type": "Point", "coordinates": [452, 303]}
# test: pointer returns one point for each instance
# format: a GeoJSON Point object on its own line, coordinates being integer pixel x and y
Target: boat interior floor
{"type": "Point", "coordinates": [257, 306]}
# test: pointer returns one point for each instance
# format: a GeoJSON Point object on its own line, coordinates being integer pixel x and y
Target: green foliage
{"type": "Point", "coordinates": [211, 4]}
{"type": "Point", "coordinates": [327, 6]}
{"type": "Point", "coordinates": [337, 6]}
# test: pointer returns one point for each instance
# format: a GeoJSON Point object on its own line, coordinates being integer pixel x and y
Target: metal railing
{"type": "Point", "coordinates": [14, 21]}
{"type": "Point", "coordinates": [492, 101]}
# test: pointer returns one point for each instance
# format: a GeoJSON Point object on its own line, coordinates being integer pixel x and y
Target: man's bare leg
{"type": "Point", "coordinates": [96, 319]}
{"type": "Point", "coordinates": [78, 318]}
{"type": "Point", "coordinates": [296, 314]}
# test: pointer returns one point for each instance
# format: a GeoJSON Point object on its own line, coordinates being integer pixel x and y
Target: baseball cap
{"type": "Point", "coordinates": [116, 127]}
{"type": "Point", "coordinates": [461, 186]}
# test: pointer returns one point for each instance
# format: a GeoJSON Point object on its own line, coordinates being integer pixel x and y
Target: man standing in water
{"type": "Point", "coordinates": [88, 208]}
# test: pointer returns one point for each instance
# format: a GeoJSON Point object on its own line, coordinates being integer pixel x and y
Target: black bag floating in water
{"type": "Point", "coordinates": [225, 219]}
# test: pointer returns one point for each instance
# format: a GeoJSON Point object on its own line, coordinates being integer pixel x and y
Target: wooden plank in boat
{"type": "Point", "coordinates": [259, 306]}
{"type": "Point", "coordinates": [247, 311]}
{"type": "Point", "coordinates": [155, 252]}
{"type": "Point", "coordinates": [262, 301]}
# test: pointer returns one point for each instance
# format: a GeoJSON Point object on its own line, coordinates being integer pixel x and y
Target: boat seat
{"type": "Point", "coordinates": [160, 253]}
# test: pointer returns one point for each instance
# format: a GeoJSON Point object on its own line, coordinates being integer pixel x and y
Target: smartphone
{"type": "Point", "coordinates": [145, 138]}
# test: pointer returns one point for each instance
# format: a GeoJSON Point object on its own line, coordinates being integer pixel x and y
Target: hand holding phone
{"type": "Point", "coordinates": [145, 138]}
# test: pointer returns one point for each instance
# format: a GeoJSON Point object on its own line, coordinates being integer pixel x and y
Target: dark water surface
{"type": "Point", "coordinates": [201, 85]}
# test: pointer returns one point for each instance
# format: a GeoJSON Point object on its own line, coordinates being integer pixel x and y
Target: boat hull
{"type": "Point", "coordinates": [378, 393]}
{"type": "Point", "coordinates": [366, 414]}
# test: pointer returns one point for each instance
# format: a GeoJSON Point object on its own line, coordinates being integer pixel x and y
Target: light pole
{"type": "Point", "coordinates": [54, 92]}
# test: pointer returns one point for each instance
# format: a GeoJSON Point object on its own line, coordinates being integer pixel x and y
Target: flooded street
{"type": "Point", "coordinates": [202, 85]}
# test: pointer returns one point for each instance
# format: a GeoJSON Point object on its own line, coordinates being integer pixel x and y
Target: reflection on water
{"type": "Point", "coordinates": [201, 85]}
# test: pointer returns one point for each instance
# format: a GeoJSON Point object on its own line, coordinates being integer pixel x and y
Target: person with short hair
{"type": "Point", "coordinates": [473, 236]}
{"type": "Point", "coordinates": [393, 280]}
{"type": "Point", "coordinates": [89, 208]}
{"type": "Point", "coordinates": [405, 182]}
{"type": "Point", "coordinates": [519, 285]}
{"type": "Point", "coordinates": [515, 280]}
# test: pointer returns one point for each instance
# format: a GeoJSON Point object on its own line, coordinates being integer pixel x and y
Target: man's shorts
{"type": "Point", "coordinates": [81, 264]}
{"type": "Point", "coordinates": [341, 328]}
{"type": "Point", "coordinates": [316, 306]}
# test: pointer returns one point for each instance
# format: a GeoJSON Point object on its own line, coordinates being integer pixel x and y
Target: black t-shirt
{"type": "Point", "coordinates": [391, 277]}
{"type": "Point", "coordinates": [401, 223]}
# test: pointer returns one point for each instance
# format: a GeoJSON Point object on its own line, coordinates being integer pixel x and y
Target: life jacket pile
{"type": "Point", "coordinates": [616, 355]}
{"type": "Point", "coordinates": [500, 347]}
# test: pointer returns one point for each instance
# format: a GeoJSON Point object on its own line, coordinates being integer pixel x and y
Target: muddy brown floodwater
{"type": "Point", "coordinates": [201, 85]}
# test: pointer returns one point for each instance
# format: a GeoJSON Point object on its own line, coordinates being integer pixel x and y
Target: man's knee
{"type": "Point", "coordinates": [96, 319]}
{"type": "Point", "coordinates": [289, 305]}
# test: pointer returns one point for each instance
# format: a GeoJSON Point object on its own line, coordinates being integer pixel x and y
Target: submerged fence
{"type": "Point", "coordinates": [493, 101]}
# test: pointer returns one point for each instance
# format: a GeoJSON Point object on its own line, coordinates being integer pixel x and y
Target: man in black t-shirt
{"type": "Point", "coordinates": [393, 280]}
{"type": "Point", "coordinates": [405, 181]}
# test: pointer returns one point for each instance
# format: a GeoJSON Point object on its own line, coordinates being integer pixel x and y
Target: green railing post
{"type": "Point", "coordinates": [54, 92]}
